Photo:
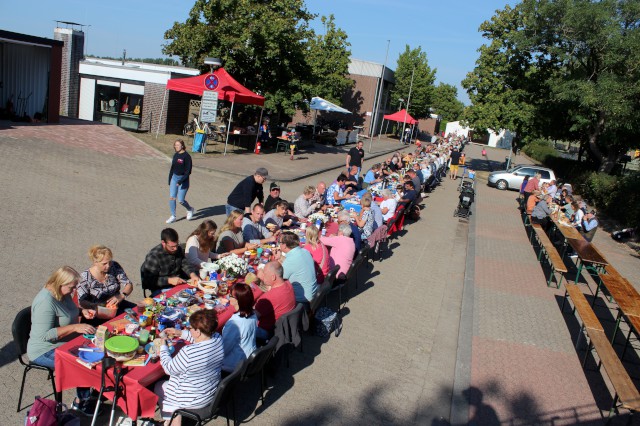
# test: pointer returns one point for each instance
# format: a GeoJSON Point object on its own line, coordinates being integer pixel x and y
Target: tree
{"type": "Point", "coordinates": [267, 46]}
{"type": "Point", "coordinates": [328, 56]}
{"type": "Point", "coordinates": [414, 61]}
{"type": "Point", "coordinates": [445, 102]}
{"type": "Point", "coordinates": [562, 68]}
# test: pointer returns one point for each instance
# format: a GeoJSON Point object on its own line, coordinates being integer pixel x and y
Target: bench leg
{"type": "Point", "coordinates": [613, 406]}
{"type": "Point", "coordinates": [551, 276]}
{"type": "Point", "coordinates": [566, 294]}
{"type": "Point", "coordinates": [626, 345]}
{"type": "Point", "coordinates": [584, 360]}
{"type": "Point", "coordinates": [560, 281]}
{"type": "Point", "coordinates": [580, 333]}
{"type": "Point", "coordinates": [615, 330]}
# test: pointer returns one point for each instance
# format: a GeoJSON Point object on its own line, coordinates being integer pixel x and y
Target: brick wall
{"type": "Point", "coordinates": [72, 53]}
{"type": "Point", "coordinates": [153, 94]}
{"type": "Point", "coordinates": [176, 111]}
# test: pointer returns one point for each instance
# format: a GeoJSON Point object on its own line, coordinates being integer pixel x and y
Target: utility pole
{"type": "Point", "coordinates": [376, 109]}
{"type": "Point", "coordinates": [406, 111]}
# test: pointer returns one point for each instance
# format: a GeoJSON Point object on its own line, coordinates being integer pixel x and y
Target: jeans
{"type": "Point", "coordinates": [262, 334]}
{"type": "Point", "coordinates": [179, 191]}
{"type": "Point", "coordinates": [228, 208]}
{"type": "Point", "coordinates": [48, 359]}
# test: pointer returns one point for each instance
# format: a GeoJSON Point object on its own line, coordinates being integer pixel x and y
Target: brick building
{"type": "Point", "coordinates": [72, 54]}
{"type": "Point", "coordinates": [360, 99]}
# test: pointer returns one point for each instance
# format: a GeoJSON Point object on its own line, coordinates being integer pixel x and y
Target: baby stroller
{"type": "Point", "coordinates": [467, 195]}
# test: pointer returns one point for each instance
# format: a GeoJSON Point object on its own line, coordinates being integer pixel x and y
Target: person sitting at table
{"type": "Point", "coordinates": [579, 212]}
{"type": "Point", "coordinates": [372, 177]}
{"type": "Point", "coordinates": [54, 319]}
{"type": "Point", "coordinates": [338, 191]}
{"type": "Point", "coordinates": [364, 219]}
{"type": "Point", "coordinates": [409, 195]}
{"type": "Point", "coordinates": [352, 179]}
{"type": "Point", "coordinates": [589, 225]}
{"type": "Point", "coordinates": [277, 301]}
{"type": "Point", "coordinates": [532, 201]}
{"type": "Point", "coordinates": [388, 204]}
{"type": "Point", "coordinates": [277, 217]}
{"type": "Point", "coordinates": [560, 197]}
{"type": "Point", "coordinates": [532, 185]}
{"type": "Point", "coordinates": [318, 251]}
{"type": "Point", "coordinates": [104, 283]}
{"type": "Point", "coordinates": [552, 188]}
{"type": "Point", "coordinates": [345, 218]}
{"type": "Point", "coordinates": [417, 185]}
{"type": "Point", "coordinates": [230, 239]}
{"type": "Point", "coordinates": [194, 372]}
{"type": "Point", "coordinates": [320, 195]}
{"type": "Point", "coordinates": [343, 249]}
{"type": "Point", "coordinates": [201, 243]}
{"type": "Point", "coordinates": [239, 333]}
{"type": "Point", "coordinates": [253, 229]}
{"type": "Point", "coordinates": [303, 206]}
{"type": "Point", "coordinates": [541, 212]}
{"type": "Point", "coordinates": [166, 265]}
{"type": "Point", "coordinates": [378, 220]}
{"type": "Point", "coordinates": [298, 268]}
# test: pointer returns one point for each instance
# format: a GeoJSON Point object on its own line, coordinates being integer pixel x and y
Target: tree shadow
{"type": "Point", "coordinates": [207, 212]}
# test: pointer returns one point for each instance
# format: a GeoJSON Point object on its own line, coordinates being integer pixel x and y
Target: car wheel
{"type": "Point", "coordinates": [502, 185]}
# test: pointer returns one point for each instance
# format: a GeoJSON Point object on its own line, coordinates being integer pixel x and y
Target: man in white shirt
{"type": "Point", "coordinates": [388, 205]}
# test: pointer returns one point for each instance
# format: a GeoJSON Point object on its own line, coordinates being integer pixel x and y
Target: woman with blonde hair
{"type": "Point", "coordinates": [364, 220]}
{"type": "Point", "coordinates": [230, 238]}
{"type": "Point", "coordinates": [201, 244]}
{"type": "Point", "coordinates": [105, 282]}
{"type": "Point", "coordinates": [54, 316]}
{"type": "Point", "coordinates": [318, 251]}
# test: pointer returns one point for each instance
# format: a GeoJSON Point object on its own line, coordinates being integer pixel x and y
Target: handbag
{"type": "Point", "coordinates": [327, 321]}
{"type": "Point", "coordinates": [44, 412]}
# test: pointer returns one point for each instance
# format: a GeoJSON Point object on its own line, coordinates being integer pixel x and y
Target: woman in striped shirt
{"type": "Point", "coordinates": [195, 371]}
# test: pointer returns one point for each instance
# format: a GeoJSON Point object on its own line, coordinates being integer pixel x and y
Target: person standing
{"type": "Point", "coordinates": [179, 180]}
{"type": "Point", "coordinates": [533, 184]}
{"type": "Point", "coordinates": [355, 157]}
{"type": "Point", "coordinates": [455, 162]}
{"type": "Point", "coordinates": [246, 191]}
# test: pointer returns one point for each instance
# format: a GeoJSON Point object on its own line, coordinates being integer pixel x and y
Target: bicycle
{"type": "Point", "coordinates": [190, 128]}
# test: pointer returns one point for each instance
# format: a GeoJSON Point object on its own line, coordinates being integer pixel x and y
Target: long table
{"type": "Point", "coordinates": [628, 300]}
{"type": "Point", "coordinates": [588, 257]}
{"type": "Point", "coordinates": [136, 399]}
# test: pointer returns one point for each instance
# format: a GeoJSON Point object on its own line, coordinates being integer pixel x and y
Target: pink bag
{"type": "Point", "coordinates": [42, 413]}
{"type": "Point", "coordinates": [484, 152]}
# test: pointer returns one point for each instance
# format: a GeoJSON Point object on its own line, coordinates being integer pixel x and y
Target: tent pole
{"type": "Point", "coordinates": [315, 117]}
{"type": "Point", "coordinates": [258, 132]}
{"type": "Point", "coordinates": [161, 111]}
{"type": "Point", "coordinates": [226, 142]}
{"type": "Point", "coordinates": [381, 125]}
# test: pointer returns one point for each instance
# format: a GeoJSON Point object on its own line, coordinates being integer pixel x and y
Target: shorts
{"type": "Point", "coordinates": [453, 167]}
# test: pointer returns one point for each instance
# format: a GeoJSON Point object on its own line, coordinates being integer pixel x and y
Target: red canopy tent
{"type": "Point", "coordinates": [401, 116]}
{"type": "Point", "coordinates": [219, 81]}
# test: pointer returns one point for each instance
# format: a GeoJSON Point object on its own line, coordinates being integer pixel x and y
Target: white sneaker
{"type": "Point", "coordinates": [171, 219]}
{"type": "Point", "coordinates": [190, 213]}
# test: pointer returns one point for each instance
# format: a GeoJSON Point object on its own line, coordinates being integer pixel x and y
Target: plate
{"type": "Point", "coordinates": [89, 336]}
{"type": "Point", "coordinates": [121, 344]}
{"type": "Point", "coordinates": [91, 356]}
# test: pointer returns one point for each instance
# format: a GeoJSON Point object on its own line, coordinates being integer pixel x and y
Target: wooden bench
{"type": "Point", "coordinates": [553, 257]}
{"type": "Point", "coordinates": [625, 390]}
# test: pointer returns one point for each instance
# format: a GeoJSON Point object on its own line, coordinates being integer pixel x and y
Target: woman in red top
{"type": "Point", "coordinates": [318, 251]}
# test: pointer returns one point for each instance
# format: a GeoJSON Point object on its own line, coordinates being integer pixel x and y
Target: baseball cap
{"type": "Point", "coordinates": [274, 185]}
{"type": "Point", "coordinates": [262, 172]}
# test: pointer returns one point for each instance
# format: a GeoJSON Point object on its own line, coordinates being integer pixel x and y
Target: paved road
{"type": "Point", "coordinates": [403, 342]}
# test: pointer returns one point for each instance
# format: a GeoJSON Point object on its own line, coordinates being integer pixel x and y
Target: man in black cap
{"type": "Point", "coordinates": [273, 197]}
{"type": "Point", "coordinates": [246, 191]}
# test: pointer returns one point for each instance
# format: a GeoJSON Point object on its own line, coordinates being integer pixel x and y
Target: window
{"type": "Point", "coordinates": [544, 174]}
{"type": "Point", "coordinates": [114, 106]}
{"type": "Point", "coordinates": [525, 171]}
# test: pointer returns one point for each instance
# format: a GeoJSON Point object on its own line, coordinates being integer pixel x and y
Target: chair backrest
{"type": "Point", "coordinates": [21, 328]}
{"type": "Point", "coordinates": [224, 393]}
{"type": "Point", "coordinates": [257, 360]}
{"type": "Point", "coordinates": [354, 266]}
{"type": "Point", "coordinates": [331, 276]}
{"type": "Point", "coordinates": [289, 327]}
{"type": "Point", "coordinates": [323, 291]}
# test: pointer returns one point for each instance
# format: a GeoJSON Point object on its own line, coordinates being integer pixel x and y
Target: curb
{"type": "Point", "coordinates": [306, 175]}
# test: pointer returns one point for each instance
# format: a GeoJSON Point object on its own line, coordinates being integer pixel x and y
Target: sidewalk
{"type": "Point", "coordinates": [310, 160]}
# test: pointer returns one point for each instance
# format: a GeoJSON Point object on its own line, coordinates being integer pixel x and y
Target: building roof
{"type": "Point", "coordinates": [19, 38]}
{"type": "Point", "coordinates": [142, 66]}
{"type": "Point", "coordinates": [370, 69]}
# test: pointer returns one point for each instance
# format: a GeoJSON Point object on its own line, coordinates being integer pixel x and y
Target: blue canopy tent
{"type": "Point", "coordinates": [319, 104]}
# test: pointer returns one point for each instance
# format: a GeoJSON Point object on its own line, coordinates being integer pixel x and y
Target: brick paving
{"type": "Point", "coordinates": [399, 351]}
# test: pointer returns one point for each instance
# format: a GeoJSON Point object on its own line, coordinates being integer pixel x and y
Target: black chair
{"type": "Point", "coordinates": [255, 364]}
{"type": "Point", "coordinates": [324, 288]}
{"type": "Point", "coordinates": [361, 259]}
{"type": "Point", "coordinates": [224, 396]}
{"type": "Point", "coordinates": [143, 281]}
{"type": "Point", "coordinates": [289, 329]}
{"type": "Point", "coordinates": [20, 329]}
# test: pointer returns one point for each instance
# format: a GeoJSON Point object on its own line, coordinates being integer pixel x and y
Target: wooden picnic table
{"type": "Point", "coordinates": [589, 257]}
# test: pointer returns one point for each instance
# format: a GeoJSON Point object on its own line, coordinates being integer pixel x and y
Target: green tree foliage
{"type": "Point", "coordinates": [422, 91]}
{"type": "Point", "coordinates": [564, 69]}
{"type": "Point", "coordinates": [445, 102]}
{"type": "Point", "coordinates": [264, 44]}
{"type": "Point", "coordinates": [328, 57]}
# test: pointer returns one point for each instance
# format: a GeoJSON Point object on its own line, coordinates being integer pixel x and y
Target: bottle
{"type": "Point", "coordinates": [152, 334]}
{"type": "Point", "coordinates": [318, 224]}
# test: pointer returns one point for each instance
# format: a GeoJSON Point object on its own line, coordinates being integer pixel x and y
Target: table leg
{"type": "Point", "coordinates": [626, 344]}
{"type": "Point", "coordinates": [615, 330]}
{"type": "Point", "coordinates": [579, 266]}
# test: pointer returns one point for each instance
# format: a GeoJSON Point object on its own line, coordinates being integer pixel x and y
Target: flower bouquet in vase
{"type": "Point", "coordinates": [232, 266]}
{"type": "Point", "coordinates": [313, 218]}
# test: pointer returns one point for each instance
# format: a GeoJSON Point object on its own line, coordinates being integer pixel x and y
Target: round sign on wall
{"type": "Point", "coordinates": [211, 82]}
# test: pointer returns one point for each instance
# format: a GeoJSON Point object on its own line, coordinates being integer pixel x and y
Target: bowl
{"type": "Point", "coordinates": [106, 313]}
{"type": "Point", "coordinates": [184, 297]}
{"type": "Point", "coordinates": [91, 356]}
{"type": "Point", "coordinates": [208, 287]}
{"type": "Point", "coordinates": [121, 348]}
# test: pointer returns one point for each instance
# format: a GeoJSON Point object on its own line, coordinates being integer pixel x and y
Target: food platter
{"type": "Point", "coordinates": [209, 287]}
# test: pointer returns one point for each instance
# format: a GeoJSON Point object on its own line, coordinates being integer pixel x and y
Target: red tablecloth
{"type": "Point", "coordinates": [136, 400]}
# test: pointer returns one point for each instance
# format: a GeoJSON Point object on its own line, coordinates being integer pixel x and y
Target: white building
{"type": "Point", "coordinates": [503, 139]}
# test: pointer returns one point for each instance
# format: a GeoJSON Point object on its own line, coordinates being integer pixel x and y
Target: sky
{"type": "Point", "coordinates": [446, 30]}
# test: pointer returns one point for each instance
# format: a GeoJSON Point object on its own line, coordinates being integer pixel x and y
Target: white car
{"type": "Point", "coordinates": [512, 178]}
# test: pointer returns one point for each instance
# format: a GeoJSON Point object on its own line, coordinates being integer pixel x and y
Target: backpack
{"type": "Point", "coordinates": [44, 412]}
{"type": "Point", "coordinates": [414, 213]}
{"type": "Point", "coordinates": [327, 321]}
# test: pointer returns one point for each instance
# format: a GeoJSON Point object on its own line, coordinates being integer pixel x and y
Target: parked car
{"type": "Point", "coordinates": [512, 178]}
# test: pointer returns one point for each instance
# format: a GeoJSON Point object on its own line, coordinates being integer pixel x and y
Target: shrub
{"type": "Point", "coordinates": [540, 150]}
